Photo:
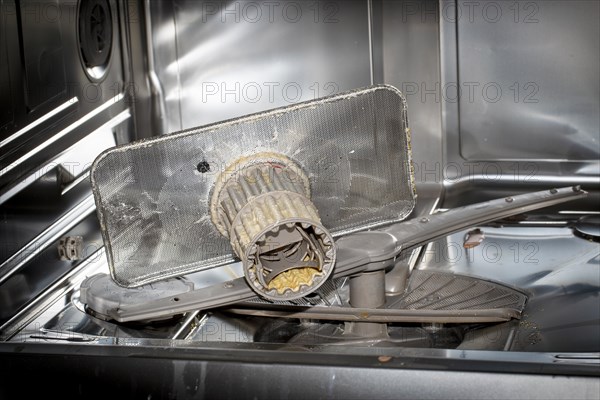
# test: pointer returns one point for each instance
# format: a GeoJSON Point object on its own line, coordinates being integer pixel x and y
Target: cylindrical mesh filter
{"type": "Point", "coordinates": [262, 204]}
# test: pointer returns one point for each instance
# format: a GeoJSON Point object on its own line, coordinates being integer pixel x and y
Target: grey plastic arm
{"type": "Point", "coordinates": [363, 251]}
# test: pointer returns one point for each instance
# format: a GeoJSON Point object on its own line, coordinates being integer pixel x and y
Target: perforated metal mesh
{"type": "Point", "coordinates": [153, 196]}
{"type": "Point", "coordinates": [444, 291]}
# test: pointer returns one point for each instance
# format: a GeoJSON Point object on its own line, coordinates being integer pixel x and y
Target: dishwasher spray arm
{"type": "Point", "coordinates": [363, 251]}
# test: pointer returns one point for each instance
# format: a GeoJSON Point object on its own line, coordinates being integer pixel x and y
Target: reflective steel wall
{"type": "Point", "coordinates": [502, 96]}
{"type": "Point", "coordinates": [216, 60]}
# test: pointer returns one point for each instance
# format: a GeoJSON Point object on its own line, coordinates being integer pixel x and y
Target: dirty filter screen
{"type": "Point", "coordinates": [153, 196]}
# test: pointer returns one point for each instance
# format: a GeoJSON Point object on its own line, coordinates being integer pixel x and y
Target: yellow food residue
{"type": "Point", "coordinates": [293, 279]}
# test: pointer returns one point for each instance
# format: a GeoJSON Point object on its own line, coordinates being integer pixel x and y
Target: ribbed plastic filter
{"type": "Point", "coordinates": [153, 196]}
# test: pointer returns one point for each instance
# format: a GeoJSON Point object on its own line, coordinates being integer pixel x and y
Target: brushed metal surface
{"type": "Point", "coordinates": [536, 81]}
{"type": "Point", "coordinates": [558, 269]}
{"type": "Point", "coordinates": [542, 130]}
{"type": "Point", "coordinates": [51, 103]}
{"type": "Point", "coordinates": [410, 61]}
{"type": "Point", "coordinates": [217, 60]}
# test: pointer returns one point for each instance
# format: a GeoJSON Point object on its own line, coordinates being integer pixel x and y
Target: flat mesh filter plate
{"type": "Point", "coordinates": [153, 196]}
{"type": "Point", "coordinates": [429, 290]}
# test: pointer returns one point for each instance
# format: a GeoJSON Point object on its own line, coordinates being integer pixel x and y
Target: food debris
{"type": "Point", "coordinates": [293, 279]}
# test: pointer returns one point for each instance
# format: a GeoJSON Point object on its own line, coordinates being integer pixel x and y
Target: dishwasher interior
{"type": "Point", "coordinates": [502, 100]}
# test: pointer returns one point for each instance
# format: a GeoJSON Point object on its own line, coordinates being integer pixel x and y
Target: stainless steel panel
{"type": "Point", "coordinates": [535, 72]}
{"type": "Point", "coordinates": [500, 145]}
{"type": "Point", "coordinates": [184, 369]}
{"type": "Point", "coordinates": [408, 34]}
{"type": "Point", "coordinates": [217, 60]}
{"type": "Point", "coordinates": [6, 106]}
{"type": "Point", "coordinates": [33, 279]}
{"type": "Point", "coordinates": [56, 120]}
{"type": "Point", "coordinates": [43, 53]}
{"type": "Point", "coordinates": [557, 269]}
{"type": "Point", "coordinates": [54, 102]}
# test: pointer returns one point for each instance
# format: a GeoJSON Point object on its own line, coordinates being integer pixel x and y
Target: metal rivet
{"type": "Point", "coordinates": [424, 220]}
{"type": "Point", "coordinates": [509, 199]}
{"type": "Point", "coordinates": [228, 285]}
{"type": "Point", "coordinates": [553, 191]}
